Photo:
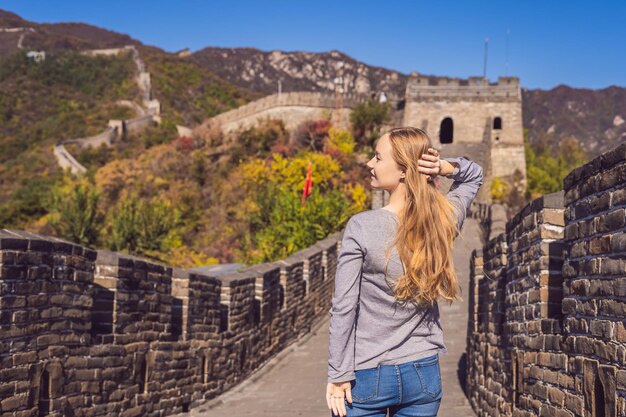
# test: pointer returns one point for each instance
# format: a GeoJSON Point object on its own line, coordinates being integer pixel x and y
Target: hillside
{"type": "Point", "coordinates": [298, 71]}
{"type": "Point", "coordinates": [76, 36]}
{"type": "Point", "coordinates": [189, 93]}
{"type": "Point", "coordinates": [70, 95]}
{"type": "Point", "coordinates": [595, 118]}
{"type": "Point", "coordinates": [174, 199]}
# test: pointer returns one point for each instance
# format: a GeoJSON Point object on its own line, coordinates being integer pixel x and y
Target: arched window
{"type": "Point", "coordinates": [243, 356]}
{"type": "Point", "coordinates": [143, 374]}
{"type": "Point", "coordinates": [446, 130]}
{"type": "Point", "coordinates": [223, 317]}
{"type": "Point", "coordinates": [44, 394]}
{"type": "Point", "coordinates": [281, 297]}
{"type": "Point", "coordinates": [203, 369]}
{"type": "Point", "coordinates": [497, 123]}
{"type": "Point", "coordinates": [598, 397]}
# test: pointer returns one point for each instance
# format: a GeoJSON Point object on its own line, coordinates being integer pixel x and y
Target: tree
{"type": "Point", "coordinates": [311, 134]}
{"type": "Point", "coordinates": [278, 224]}
{"type": "Point", "coordinates": [499, 190]}
{"type": "Point", "coordinates": [144, 227]}
{"type": "Point", "coordinates": [79, 219]}
{"type": "Point", "coordinates": [367, 119]}
{"type": "Point", "coordinates": [258, 140]}
{"type": "Point", "coordinates": [546, 168]}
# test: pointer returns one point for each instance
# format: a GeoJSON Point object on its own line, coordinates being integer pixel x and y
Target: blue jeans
{"type": "Point", "coordinates": [407, 389]}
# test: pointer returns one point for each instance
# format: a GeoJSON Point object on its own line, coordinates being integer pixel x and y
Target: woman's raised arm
{"type": "Point", "coordinates": [468, 177]}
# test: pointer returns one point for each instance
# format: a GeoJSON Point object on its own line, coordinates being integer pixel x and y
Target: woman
{"type": "Point", "coordinates": [385, 333]}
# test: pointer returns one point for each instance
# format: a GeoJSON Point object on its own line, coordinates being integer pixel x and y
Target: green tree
{"type": "Point", "coordinates": [144, 227]}
{"type": "Point", "coordinates": [164, 132]}
{"type": "Point", "coordinates": [124, 234]}
{"type": "Point", "coordinates": [198, 168]}
{"type": "Point", "coordinates": [79, 219]}
{"type": "Point", "coordinates": [277, 223]}
{"type": "Point", "coordinates": [283, 225]}
{"type": "Point", "coordinates": [30, 200]}
{"type": "Point", "coordinates": [546, 168]}
{"type": "Point", "coordinates": [367, 118]}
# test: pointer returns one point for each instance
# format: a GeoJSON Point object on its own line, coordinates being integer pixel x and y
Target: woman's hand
{"type": "Point", "coordinates": [430, 164]}
{"type": "Point", "coordinates": [336, 393]}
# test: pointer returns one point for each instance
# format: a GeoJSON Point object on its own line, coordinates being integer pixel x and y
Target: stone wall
{"type": "Point", "coordinates": [138, 124]}
{"type": "Point", "coordinates": [66, 161]}
{"type": "Point", "coordinates": [117, 128]}
{"type": "Point", "coordinates": [90, 333]}
{"type": "Point", "coordinates": [107, 137]}
{"type": "Point", "coordinates": [548, 303]}
{"type": "Point", "coordinates": [292, 108]}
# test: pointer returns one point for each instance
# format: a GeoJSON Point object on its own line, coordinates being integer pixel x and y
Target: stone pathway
{"type": "Point", "coordinates": [454, 322]}
{"type": "Point", "coordinates": [294, 382]}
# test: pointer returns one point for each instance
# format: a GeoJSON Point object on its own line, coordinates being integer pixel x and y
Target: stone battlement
{"type": "Point", "coordinates": [315, 100]}
{"type": "Point", "coordinates": [97, 332]}
{"type": "Point", "coordinates": [547, 302]}
{"type": "Point", "coordinates": [420, 87]}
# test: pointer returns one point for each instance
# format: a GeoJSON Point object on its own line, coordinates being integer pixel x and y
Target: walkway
{"type": "Point", "coordinates": [294, 382]}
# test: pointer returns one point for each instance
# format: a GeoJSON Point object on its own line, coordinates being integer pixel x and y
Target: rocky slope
{"type": "Point", "coordinates": [595, 118]}
{"type": "Point", "coordinates": [298, 71]}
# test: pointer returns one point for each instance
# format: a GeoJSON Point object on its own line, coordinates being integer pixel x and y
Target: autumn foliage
{"type": "Point", "coordinates": [179, 202]}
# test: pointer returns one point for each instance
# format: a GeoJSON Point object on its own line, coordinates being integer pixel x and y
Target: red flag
{"type": "Point", "coordinates": [308, 184]}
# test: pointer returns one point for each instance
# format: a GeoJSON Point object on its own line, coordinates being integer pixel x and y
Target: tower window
{"type": "Point", "coordinates": [446, 130]}
{"type": "Point", "coordinates": [497, 123]}
{"type": "Point", "coordinates": [44, 394]}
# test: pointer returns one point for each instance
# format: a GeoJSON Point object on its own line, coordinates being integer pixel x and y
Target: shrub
{"type": "Point", "coordinates": [79, 219]}
{"type": "Point", "coordinates": [367, 118]}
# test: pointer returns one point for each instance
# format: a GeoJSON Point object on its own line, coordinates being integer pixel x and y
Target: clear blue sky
{"type": "Point", "coordinates": [581, 44]}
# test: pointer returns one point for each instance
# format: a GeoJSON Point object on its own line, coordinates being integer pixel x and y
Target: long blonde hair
{"type": "Point", "coordinates": [426, 230]}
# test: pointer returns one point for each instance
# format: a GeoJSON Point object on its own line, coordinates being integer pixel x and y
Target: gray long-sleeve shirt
{"type": "Point", "coordinates": [368, 326]}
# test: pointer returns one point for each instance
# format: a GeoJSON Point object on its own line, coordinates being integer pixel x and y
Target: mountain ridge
{"type": "Point", "coordinates": [596, 128]}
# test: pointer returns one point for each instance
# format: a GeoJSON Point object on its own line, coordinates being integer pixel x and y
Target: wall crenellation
{"type": "Point", "coordinates": [291, 107]}
{"type": "Point", "coordinates": [546, 331]}
{"type": "Point", "coordinates": [473, 88]}
{"type": "Point", "coordinates": [86, 332]}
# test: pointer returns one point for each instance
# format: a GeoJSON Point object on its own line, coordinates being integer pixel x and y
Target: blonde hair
{"type": "Point", "coordinates": [426, 230]}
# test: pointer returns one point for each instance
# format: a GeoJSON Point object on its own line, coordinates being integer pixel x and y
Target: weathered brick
{"type": "Point", "coordinates": [618, 242]}
{"type": "Point", "coordinates": [601, 328]}
{"type": "Point", "coordinates": [556, 396]}
{"type": "Point", "coordinates": [610, 266]}
{"type": "Point", "coordinates": [612, 221]}
{"type": "Point", "coordinates": [618, 197]}
{"type": "Point", "coordinates": [599, 245]}
{"type": "Point", "coordinates": [613, 308]}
